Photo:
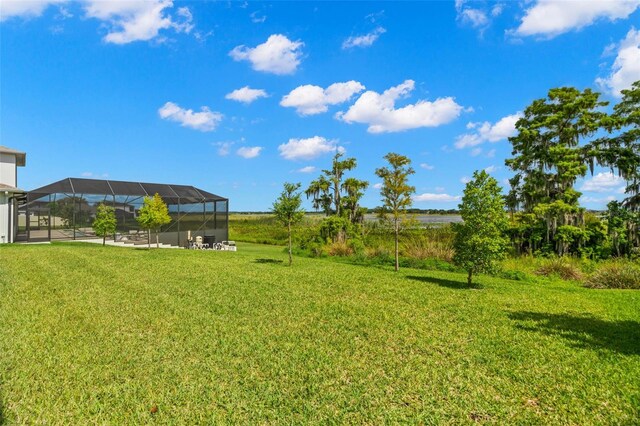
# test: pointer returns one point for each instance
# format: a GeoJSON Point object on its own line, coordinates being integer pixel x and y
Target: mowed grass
{"type": "Point", "coordinates": [101, 335]}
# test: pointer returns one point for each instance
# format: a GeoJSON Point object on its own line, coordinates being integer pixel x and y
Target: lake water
{"type": "Point", "coordinates": [431, 219]}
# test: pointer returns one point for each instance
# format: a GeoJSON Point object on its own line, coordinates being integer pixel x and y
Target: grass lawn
{"type": "Point", "coordinates": [101, 335]}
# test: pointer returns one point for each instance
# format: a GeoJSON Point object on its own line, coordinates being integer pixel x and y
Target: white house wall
{"type": "Point", "coordinates": [8, 169]}
{"type": "Point", "coordinates": [5, 237]}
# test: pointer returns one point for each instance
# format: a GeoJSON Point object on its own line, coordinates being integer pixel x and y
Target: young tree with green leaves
{"type": "Point", "coordinates": [105, 222]}
{"type": "Point", "coordinates": [396, 193]}
{"type": "Point", "coordinates": [288, 209]}
{"type": "Point", "coordinates": [480, 240]}
{"type": "Point", "coordinates": [153, 214]}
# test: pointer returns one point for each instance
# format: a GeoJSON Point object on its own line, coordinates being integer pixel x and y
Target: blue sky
{"type": "Point", "coordinates": [239, 97]}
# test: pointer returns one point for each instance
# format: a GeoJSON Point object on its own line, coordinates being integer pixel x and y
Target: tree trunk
{"type": "Point", "coordinates": [104, 239]}
{"type": "Point", "coordinates": [149, 238]}
{"type": "Point", "coordinates": [396, 232]}
{"type": "Point", "coordinates": [469, 277]}
{"type": "Point", "coordinates": [157, 239]}
{"type": "Point", "coordinates": [336, 195]}
{"type": "Point", "coordinates": [290, 257]}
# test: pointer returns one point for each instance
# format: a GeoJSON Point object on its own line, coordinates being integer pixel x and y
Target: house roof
{"type": "Point", "coordinates": [9, 188]}
{"type": "Point", "coordinates": [182, 194]}
{"type": "Point", "coordinates": [21, 157]}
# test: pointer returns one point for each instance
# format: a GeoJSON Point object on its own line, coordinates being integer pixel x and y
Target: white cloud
{"type": "Point", "coordinates": [246, 95]}
{"type": "Point", "coordinates": [427, 166]}
{"type": "Point", "coordinates": [626, 67]}
{"type": "Point", "coordinates": [465, 180]}
{"type": "Point", "coordinates": [187, 18]}
{"type": "Point", "coordinates": [379, 112]}
{"type": "Point", "coordinates": [307, 149]}
{"type": "Point", "coordinates": [25, 9]}
{"type": "Point", "coordinates": [475, 152]}
{"type": "Point", "coordinates": [475, 17]}
{"type": "Point", "coordinates": [256, 18]}
{"type": "Point", "coordinates": [497, 9]}
{"type": "Point", "coordinates": [597, 199]}
{"type": "Point", "coordinates": [136, 20]}
{"type": "Point", "coordinates": [549, 18]}
{"type": "Point", "coordinates": [427, 196]}
{"type": "Point", "coordinates": [363, 40]}
{"type": "Point", "coordinates": [205, 121]}
{"type": "Point", "coordinates": [483, 132]}
{"type": "Point", "coordinates": [308, 169]}
{"type": "Point", "coordinates": [223, 147]}
{"type": "Point", "coordinates": [491, 153]}
{"type": "Point", "coordinates": [377, 185]}
{"type": "Point", "coordinates": [126, 21]}
{"type": "Point", "coordinates": [490, 169]}
{"type": "Point", "coordinates": [91, 174]}
{"type": "Point", "coordinates": [277, 55]}
{"type": "Point", "coordinates": [309, 100]}
{"type": "Point", "coordinates": [63, 13]}
{"type": "Point", "coordinates": [604, 182]}
{"type": "Point", "coordinates": [375, 17]}
{"type": "Point", "coordinates": [249, 151]}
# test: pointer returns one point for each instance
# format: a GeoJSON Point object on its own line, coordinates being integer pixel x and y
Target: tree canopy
{"type": "Point", "coordinates": [558, 140]}
{"type": "Point", "coordinates": [396, 193]}
{"type": "Point", "coordinates": [105, 221]}
{"type": "Point", "coordinates": [153, 215]}
{"type": "Point", "coordinates": [333, 194]}
{"type": "Point", "coordinates": [288, 209]}
{"type": "Point", "coordinates": [480, 240]}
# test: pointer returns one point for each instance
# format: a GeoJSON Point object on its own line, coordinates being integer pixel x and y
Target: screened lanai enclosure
{"type": "Point", "coordinates": [65, 210]}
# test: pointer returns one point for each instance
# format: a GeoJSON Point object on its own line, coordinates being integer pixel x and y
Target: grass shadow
{"type": "Point", "coordinates": [459, 285]}
{"type": "Point", "coordinates": [264, 260]}
{"type": "Point", "coordinates": [584, 331]}
{"type": "Point", "coordinates": [3, 419]}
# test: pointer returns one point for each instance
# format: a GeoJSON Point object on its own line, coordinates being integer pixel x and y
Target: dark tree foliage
{"type": "Point", "coordinates": [73, 211]}
{"type": "Point", "coordinates": [551, 151]}
{"type": "Point", "coordinates": [621, 151]}
{"type": "Point", "coordinates": [548, 158]}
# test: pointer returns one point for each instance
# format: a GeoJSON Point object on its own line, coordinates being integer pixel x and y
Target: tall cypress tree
{"type": "Point", "coordinates": [549, 156]}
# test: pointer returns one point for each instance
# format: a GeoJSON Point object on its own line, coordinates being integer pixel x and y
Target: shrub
{"type": "Point", "coordinates": [378, 252]}
{"type": "Point", "coordinates": [421, 247]}
{"type": "Point", "coordinates": [336, 229]}
{"type": "Point", "coordinates": [339, 248]}
{"type": "Point", "coordinates": [356, 245]}
{"type": "Point", "coordinates": [514, 275]}
{"type": "Point", "coordinates": [316, 249]}
{"type": "Point", "coordinates": [617, 274]}
{"type": "Point", "coordinates": [440, 265]}
{"type": "Point", "coordinates": [560, 267]}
